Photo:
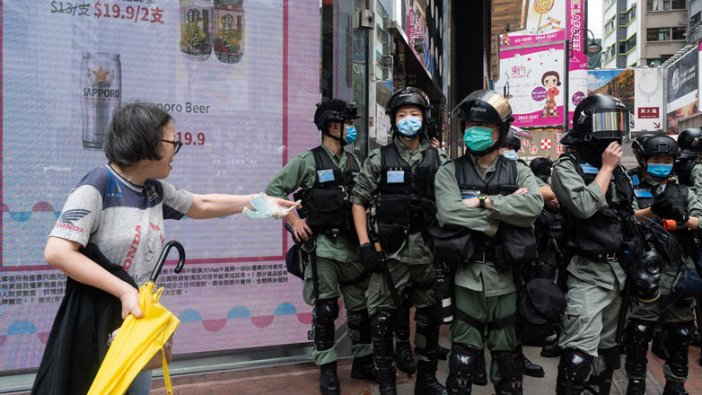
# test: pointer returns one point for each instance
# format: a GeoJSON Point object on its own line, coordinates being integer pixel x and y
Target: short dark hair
{"type": "Point", "coordinates": [551, 74]}
{"type": "Point", "coordinates": [135, 133]}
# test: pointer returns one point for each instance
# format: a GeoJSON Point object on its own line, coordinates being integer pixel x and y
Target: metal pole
{"type": "Point", "coordinates": [566, 86]}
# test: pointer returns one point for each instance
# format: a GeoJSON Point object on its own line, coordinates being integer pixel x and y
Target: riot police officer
{"type": "Point", "coordinates": [596, 197]}
{"type": "Point", "coordinates": [662, 200]}
{"type": "Point", "coordinates": [325, 177]}
{"type": "Point", "coordinates": [396, 183]}
{"type": "Point", "coordinates": [495, 200]}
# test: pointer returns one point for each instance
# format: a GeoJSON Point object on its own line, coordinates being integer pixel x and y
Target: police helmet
{"type": "Point", "coordinates": [408, 96]}
{"type": "Point", "coordinates": [512, 141]}
{"type": "Point", "coordinates": [638, 142]}
{"type": "Point", "coordinates": [683, 169]}
{"type": "Point", "coordinates": [541, 167]}
{"type": "Point", "coordinates": [660, 146]}
{"type": "Point", "coordinates": [598, 117]}
{"type": "Point", "coordinates": [690, 143]}
{"type": "Point", "coordinates": [334, 110]}
{"type": "Point", "coordinates": [485, 106]}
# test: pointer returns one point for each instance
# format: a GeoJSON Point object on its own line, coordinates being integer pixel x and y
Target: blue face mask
{"type": "Point", "coordinates": [659, 170]}
{"type": "Point", "coordinates": [511, 154]}
{"type": "Point", "coordinates": [478, 138]}
{"type": "Point", "coordinates": [409, 126]}
{"type": "Point", "coordinates": [351, 134]}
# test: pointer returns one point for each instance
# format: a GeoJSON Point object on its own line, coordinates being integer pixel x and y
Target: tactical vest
{"type": "Point", "coordinates": [326, 205]}
{"type": "Point", "coordinates": [600, 236]}
{"type": "Point", "coordinates": [643, 190]}
{"type": "Point", "coordinates": [677, 194]}
{"type": "Point", "coordinates": [405, 201]}
{"type": "Point", "coordinates": [512, 244]}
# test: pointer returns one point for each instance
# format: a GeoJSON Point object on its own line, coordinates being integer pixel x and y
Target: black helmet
{"type": "Point", "coordinates": [512, 141]}
{"type": "Point", "coordinates": [637, 143]}
{"type": "Point", "coordinates": [660, 146]}
{"type": "Point", "coordinates": [485, 106]}
{"type": "Point", "coordinates": [541, 167]}
{"type": "Point", "coordinates": [408, 96]}
{"type": "Point", "coordinates": [683, 169]}
{"type": "Point", "coordinates": [333, 110]}
{"type": "Point", "coordinates": [690, 143]}
{"type": "Point", "coordinates": [600, 117]}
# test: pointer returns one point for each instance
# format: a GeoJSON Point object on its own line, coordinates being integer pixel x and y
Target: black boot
{"type": "Point", "coordinates": [403, 357]}
{"type": "Point", "coordinates": [674, 388]}
{"type": "Point", "coordinates": [550, 348]}
{"type": "Point", "coordinates": [328, 381]}
{"type": "Point", "coordinates": [363, 368]}
{"type": "Point", "coordinates": [600, 384]}
{"type": "Point", "coordinates": [479, 374]}
{"type": "Point", "coordinates": [426, 383]}
{"type": "Point", "coordinates": [573, 369]}
{"type": "Point", "coordinates": [532, 370]}
{"type": "Point", "coordinates": [636, 387]}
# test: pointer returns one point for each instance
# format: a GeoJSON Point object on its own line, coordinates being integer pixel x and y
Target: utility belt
{"type": "Point", "coordinates": [484, 253]}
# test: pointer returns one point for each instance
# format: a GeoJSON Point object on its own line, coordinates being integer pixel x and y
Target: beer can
{"type": "Point", "coordinates": [229, 30]}
{"type": "Point", "coordinates": [196, 29]}
{"type": "Point", "coordinates": [101, 84]}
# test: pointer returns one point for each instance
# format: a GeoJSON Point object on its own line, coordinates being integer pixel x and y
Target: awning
{"type": "Point", "coordinates": [506, 16]}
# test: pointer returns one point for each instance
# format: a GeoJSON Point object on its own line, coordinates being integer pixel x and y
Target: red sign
{"type": "Point", "coordinates": [648, 112]}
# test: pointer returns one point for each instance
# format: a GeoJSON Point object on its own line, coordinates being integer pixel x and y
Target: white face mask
{"type": "Point", "coordinates": [511, 154]}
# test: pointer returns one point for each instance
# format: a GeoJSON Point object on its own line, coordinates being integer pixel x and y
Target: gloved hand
{"type": "Point", "coordinates": [663, 208]}
{"type": "Point", "coordinates": [370, 258]}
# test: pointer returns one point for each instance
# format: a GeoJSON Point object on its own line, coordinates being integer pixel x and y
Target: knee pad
{"type": "Point", "coordinates": [639, 333]}
{"type": "Point", "coordinates": [461, 361]}
{"type": "Point", "coordinates": [382, 323]}
{"type": "Point", "coordinates": [326, 310]}
{"type": "Point", "coordinates": [680, 335]}
{"type": "Point", "coordinates": [574, 366]}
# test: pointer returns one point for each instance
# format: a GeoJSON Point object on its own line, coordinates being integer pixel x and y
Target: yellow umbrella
{"type": "Point", "coordinates": [139, 339]}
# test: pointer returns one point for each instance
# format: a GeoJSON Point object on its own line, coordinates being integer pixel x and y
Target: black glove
{"type": "Point", "coordinates": [370, 259]}
{"type": "Point", "coordinates": [663, 208]}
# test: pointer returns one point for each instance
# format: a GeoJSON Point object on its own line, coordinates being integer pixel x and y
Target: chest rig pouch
{"type": "Point", "coordinates": [600, 236]}
{"type": "Point", "coordinates": [512, 245]}
{"type": "Point", "coordinates": [405, 200]}
{"type": "Point", "coordinates": [326, 205]}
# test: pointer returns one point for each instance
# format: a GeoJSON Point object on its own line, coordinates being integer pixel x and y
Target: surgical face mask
{"type": "Point", "coordinates": [409, 126]}
{"type": "Point", "coordinates": [659, 170]}
{"type": "Point", "coordinates": [351, 134]}
{"type": "Point", "coordinates": [511, 154]}
{"type": "Point", "coordinates": [478, 138]}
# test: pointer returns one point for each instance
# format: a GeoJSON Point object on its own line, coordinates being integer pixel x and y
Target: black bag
{"type": "Point", "coordinates": [518, 245]}
{"type": "Point", "coordinates": [688, 284]}
{"type": "Point", "coordinates": [451, 245]}
{"type": "Point", "coordinates": [541, 308]}
{"type": "Point", "coordinates": [295, 261]}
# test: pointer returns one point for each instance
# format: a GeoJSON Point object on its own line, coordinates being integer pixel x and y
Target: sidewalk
{"type": "Point", "coordinates": [303, 379]}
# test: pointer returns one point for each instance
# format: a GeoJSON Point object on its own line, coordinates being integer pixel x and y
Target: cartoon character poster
{"type": "Point", "coordinates": [532, 79]}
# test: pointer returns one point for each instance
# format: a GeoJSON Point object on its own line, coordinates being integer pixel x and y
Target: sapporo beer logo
{"type": "Point", "coordinates": [100, 87]}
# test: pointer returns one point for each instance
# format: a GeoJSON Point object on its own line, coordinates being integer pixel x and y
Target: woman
{"type": "Point", "coordinates": [110, 233]}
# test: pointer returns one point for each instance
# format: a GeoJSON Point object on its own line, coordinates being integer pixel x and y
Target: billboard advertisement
{"type": "Point", "coordinates": [682, 95]}
{"type": "Point", "coordinates": [546, 22]}
{"type": "Point", "coordinates": [533, 77]}
{"type": "Point", "coordinates": [231, 74]}
{"type": "Point", "coordinates": [550, 26]}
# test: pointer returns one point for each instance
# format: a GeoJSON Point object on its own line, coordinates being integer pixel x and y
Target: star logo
{"type": "Point", "coordinates": [101, 75]}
